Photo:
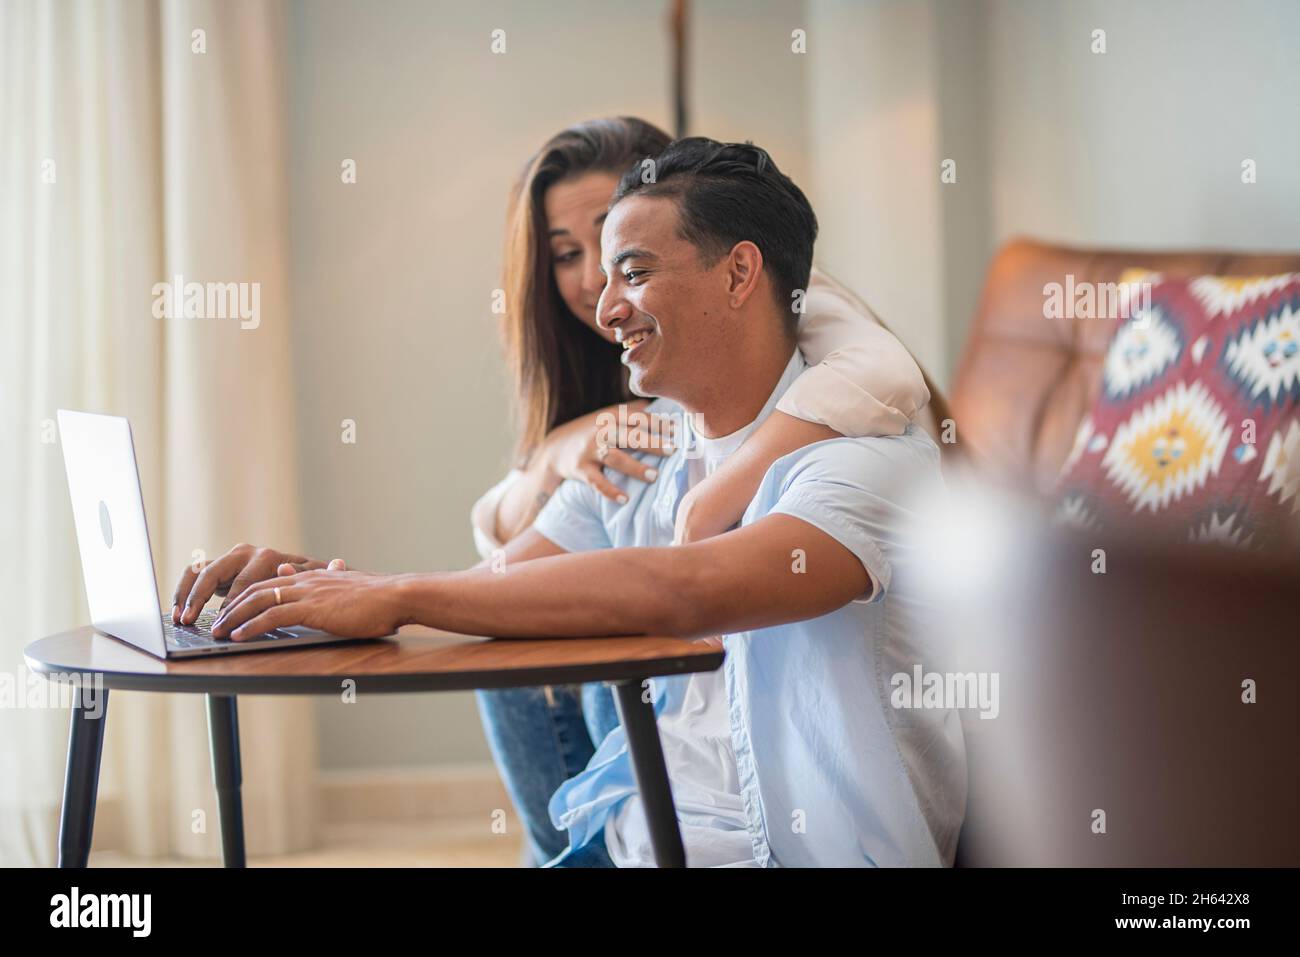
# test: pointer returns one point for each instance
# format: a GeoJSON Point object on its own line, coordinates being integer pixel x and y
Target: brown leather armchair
{"type": "Point", "coordinates": [1024, 382]}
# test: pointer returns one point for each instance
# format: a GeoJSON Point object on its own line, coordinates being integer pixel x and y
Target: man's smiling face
{"type": "Point", "coordinates": [663, 304]}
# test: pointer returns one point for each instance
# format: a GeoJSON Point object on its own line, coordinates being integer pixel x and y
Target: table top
{"type": "Point", "coordinates": [418, 659]}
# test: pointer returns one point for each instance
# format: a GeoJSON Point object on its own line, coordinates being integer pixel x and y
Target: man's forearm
{"type": "Point", "coordinates": [627, 591]}
{"type": "Point", "coordinates": [777, 570]}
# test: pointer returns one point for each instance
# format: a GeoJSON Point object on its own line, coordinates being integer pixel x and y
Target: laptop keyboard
{"type": "Point", "coordinates": [199, 634]}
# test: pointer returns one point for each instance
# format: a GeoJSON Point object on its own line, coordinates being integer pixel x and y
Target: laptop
{"type": "Point", "coordinates": [116, 560]}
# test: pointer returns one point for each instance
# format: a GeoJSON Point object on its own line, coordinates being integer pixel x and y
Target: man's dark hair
{"type": "Point", "coordinates": [731, 192]}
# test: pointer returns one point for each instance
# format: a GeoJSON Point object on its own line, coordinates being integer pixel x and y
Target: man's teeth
{"type": "Point", "coordinates": [634, 338]}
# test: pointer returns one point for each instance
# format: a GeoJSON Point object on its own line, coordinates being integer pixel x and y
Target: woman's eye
{"type": "Point", "coordinates": [566, 257]}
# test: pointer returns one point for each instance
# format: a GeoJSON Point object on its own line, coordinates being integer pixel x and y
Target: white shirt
{"type": "Point", "coordinates": [831, 775]}
{"type": "Point", "coordinates": [696, 740]}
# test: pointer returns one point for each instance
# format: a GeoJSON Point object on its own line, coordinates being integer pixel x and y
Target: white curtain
{"type": "Point", "coordinates": [140, 141]}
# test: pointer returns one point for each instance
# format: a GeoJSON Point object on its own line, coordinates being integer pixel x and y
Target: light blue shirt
{"type": "Point", "coordinates": [831, 775]}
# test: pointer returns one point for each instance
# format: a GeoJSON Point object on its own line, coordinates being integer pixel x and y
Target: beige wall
{"type": "Point", "coordinates": [873, 114]}
{"type": "Point", "coordinates": [1142, 145]}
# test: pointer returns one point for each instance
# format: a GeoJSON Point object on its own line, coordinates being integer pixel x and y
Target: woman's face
{"type": "Point", "coordinates": [575, 210]}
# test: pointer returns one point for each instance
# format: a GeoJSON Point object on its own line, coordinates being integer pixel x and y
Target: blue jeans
{"type": "Point", "coordinates": [538, 742]}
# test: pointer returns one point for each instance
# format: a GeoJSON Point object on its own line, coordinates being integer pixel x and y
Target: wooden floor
{"type": "Point", "coordinates": [440, 843]}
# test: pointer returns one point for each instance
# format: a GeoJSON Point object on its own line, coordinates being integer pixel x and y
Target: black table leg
{"type": "Point", "coordinates": [223, 736]}
{"type": "Point", "coordinates": [638, 717]}
{"type": "Point", "coordinates": [81, 782]}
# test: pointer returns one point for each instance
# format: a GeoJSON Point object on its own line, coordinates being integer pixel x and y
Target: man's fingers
{"type": "Point", "coordinates": [183, 588]}
{"type": "Point", "coordinates": [255, 600]}
{"type": "Point", "coordinates": [277, 616]}
{"type": "Point", "coordinates": [274, 617]}
{"type": "Point", "coordinates": [245, 578]}
{"type": "Point", "coordinates": [205, 586]}
{"type": "Point", "coordinates": [258, 588]}
{"type": "Point", "coordinates": [595, 477]}
{"type": "Point", "coordinates": [256, 571]}
{"type": "Point", "coordinates": [293, 568]}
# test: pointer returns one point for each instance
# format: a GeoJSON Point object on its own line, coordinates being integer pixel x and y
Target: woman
{"type": "Point", "coordinates": [567, 373]}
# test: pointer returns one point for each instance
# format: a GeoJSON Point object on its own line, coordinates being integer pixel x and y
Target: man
{"type": "Point", "coordinates": [790, 754]}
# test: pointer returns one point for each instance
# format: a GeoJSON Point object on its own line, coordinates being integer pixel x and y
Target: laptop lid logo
{"type": "Point", "coordinates": [105, 525]}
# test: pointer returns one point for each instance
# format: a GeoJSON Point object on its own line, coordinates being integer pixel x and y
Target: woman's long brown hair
{"type": "Point", "coordinates": [562, 369]}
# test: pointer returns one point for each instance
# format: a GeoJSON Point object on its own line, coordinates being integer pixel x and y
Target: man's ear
{"type": "Point", "coordinates": [744, 270]}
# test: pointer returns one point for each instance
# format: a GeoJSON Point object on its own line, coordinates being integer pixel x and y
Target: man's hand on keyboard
{"type": "Point", "coordinates": [356, 604]}
{"type": "Point", "coordinates": [231, 574]}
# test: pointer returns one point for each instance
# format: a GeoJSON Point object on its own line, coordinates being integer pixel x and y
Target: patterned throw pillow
{"type": "Point", "coordinates": [1195, 429]}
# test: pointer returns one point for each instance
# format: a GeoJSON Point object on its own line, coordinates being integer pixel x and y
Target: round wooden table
{"type": "Point", "coordinates": [419, 659]}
